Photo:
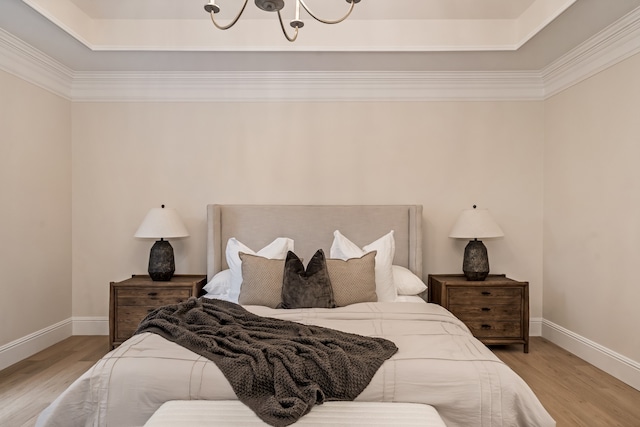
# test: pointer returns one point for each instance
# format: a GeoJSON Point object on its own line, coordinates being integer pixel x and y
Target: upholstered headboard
{"type": "Point", "coordinates": [312, 227]}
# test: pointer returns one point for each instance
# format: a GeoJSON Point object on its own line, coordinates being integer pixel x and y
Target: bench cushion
{"type": "Point", "coordinates": [229, 413]}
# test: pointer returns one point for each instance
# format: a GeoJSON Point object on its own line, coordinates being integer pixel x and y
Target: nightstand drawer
{"type": "Point", "coordinates": [128, 319]}
{"type": "Point", "coordinates": [487, 311]}
{"type": "Point", "coordinates": [490, 329]}
{"type": "Point", "coordinates": [151, 297]}
{"type": "Point", "coordinates": [478, 295]}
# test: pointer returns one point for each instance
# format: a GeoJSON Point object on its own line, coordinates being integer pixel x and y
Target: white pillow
{"type": "Point", "coordinates": [220, 284]}
{"type": "Point", "coordinates": [275, 250]}
{"type": "Point", "coordinates": [225, 297]}
{"type": "Point", "coordinates": [343, 248]}
{"type": "Point", "coordinates": [406, 282]}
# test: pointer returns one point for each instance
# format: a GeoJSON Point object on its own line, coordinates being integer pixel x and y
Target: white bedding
{"type": "Point", "coordinates": [399, 298]}
{"type": "Point", "coordinates": [410, 298]}
{"type": "Point", "coordinates": [439, 363]}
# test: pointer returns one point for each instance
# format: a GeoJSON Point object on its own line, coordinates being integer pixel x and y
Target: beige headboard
{"type": "Point", "coordinates": [312, 227]}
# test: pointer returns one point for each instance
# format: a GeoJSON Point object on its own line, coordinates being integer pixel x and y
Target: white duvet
{"type": "Point", "coordinates": [438, 363]}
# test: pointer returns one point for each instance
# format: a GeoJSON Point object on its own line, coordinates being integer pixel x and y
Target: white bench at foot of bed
{"type": "Point", "coordinates": [228, 413]}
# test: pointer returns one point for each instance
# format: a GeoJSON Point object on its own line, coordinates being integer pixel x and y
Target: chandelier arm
{"type": "Point", "coordinates": [284, 31]}
{"type": "Point", "coordinates": [232, 23]}
{"type": "Point", "coordinates": [337, 21]}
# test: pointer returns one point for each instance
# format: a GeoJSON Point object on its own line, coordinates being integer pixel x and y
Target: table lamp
{"type": "Point", "coordinates": [475, 224]}
{"type": "Point", "coordinates": [161, 223]}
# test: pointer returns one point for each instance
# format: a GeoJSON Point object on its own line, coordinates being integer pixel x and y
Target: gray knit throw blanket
{"type": "Point", "coordinates": [279, 369]}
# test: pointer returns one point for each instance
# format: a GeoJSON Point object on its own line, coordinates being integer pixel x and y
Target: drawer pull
{"type": "Point", "coordinates": [485, 327]}
{"type": "Point", "coordinates": [152, 294]}
{"type": "Point", "coordinates": [486, 309]}
{"type": "Point", "coordinates": [486, 293]}
{"type": "Point", "coordinates": [150, 310]}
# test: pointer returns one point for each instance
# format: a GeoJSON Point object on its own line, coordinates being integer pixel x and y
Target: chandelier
{"type": "Point", "coordinates": [275, 6]}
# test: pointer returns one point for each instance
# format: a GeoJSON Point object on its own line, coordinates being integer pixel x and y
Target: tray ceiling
{"type": "Point", "coordinates": [381, 35]}
{"type": "Point", "coordinates": [375, 25]}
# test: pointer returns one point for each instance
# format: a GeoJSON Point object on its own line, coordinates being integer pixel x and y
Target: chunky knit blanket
{"type": "Point", "coordinates": [279, 369]}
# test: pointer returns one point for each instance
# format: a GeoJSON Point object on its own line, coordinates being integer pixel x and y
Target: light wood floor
{"type": "Point", "coordinates": [574, 392]}
{"type": "Point", "coordinates": [28, 387]}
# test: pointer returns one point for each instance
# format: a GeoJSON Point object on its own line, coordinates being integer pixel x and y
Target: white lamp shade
{"type": "Point", "coordinates": [161, 223]}
{"type": "Point", "coordinates": [475, 224]}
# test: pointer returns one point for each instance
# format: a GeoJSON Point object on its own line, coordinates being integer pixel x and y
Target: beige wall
{"type": "Point", "coordinates": [128, 157]}
{"type": "Point", "coordinates": [579, 149]}
{"type": "Point", "coordinates": [592, 208]}
{"type": "Point", "coordinates": [35, 213]}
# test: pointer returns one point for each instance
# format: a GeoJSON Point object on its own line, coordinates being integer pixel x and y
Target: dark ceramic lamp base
{"type": "Point", "coordinates": [475, 264]}
{"type": "Point", "coordinates": [161, 262]}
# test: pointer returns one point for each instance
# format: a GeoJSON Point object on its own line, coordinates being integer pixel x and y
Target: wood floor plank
{"type": "Point", "coordinates": [29, 386]}
{"type": "Point", "coordinates": [575, 393]}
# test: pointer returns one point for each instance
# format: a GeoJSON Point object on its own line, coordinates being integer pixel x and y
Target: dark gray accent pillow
{"type": "Point", "coordinates": [306, 288]}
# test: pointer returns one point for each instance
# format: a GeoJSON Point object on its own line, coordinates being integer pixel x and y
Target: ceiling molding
{"type": "Point", "coordinates": [306, 86]}
{"type": "Point", "coordinates": [614, 44]}
{"type": "Point", "coordinates": [29, 64]}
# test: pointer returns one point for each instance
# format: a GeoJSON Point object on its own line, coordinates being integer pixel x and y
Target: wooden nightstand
{"type": "Point", "coordinates": [496, 310]}
{"type": "Point", "coordinates": [132, 299]}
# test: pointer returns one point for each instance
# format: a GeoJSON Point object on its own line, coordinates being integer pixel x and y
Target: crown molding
{"type": "Point", "coordinates": [612, 45]}
{"type": "Point", "coordinates": [29, 64]}
{"type": "Point", "coordinates": [306, 86]}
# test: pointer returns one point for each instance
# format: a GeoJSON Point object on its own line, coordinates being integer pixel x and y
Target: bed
{"type": "Point", "coordinates": [438, 362]}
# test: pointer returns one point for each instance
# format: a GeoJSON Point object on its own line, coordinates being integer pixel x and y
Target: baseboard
{"type": "Point", "coordinates": [535, 327]}
{"type": "Point", "coordinates": [26, 346]}
{"type": "Point", "coordinates": [615, 364]}
{"type": "Point", "coordinates": [29, 345]}
{"type": "Point", "coordinates": [90, 325]}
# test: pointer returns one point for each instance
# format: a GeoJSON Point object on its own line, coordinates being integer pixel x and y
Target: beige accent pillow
{"type": "Point", "coordinates": [261, 280]}
{"type": "Point", "coordinates": [353, 280]}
